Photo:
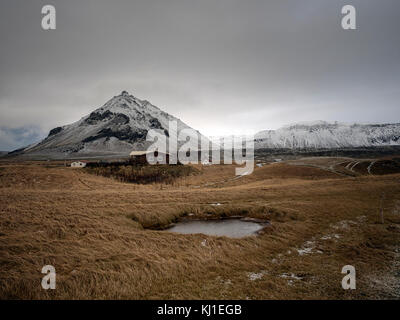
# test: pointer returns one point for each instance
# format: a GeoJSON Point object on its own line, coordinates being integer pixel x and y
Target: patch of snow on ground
{"type": "Point", "coordinates": [344, 224]}
{"type": "Point", "coordinates": [330, 236]}
{"type": "Point", "coordinates": [307, 248]}
{"type": "Point", "coordinates": [291, 276]}
{"type": "Point", "coordinates": [256, 275]}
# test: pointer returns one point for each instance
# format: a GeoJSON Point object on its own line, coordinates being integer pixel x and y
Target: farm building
{"type": "Point", "coordinates": [138, 154]}
{"type": "Point", "coordinates": [78, 164]}
{"type": "Point", "coordinates": [140, 157]}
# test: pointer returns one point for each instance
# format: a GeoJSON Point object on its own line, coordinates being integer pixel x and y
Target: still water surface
{"type": "Point", "coordinates": [233, 228]}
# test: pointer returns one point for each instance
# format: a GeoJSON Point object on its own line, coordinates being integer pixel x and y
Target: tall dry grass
{"type": "Point", "coordinates": [92, 229]}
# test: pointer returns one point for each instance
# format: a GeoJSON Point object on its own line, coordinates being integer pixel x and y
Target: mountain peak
{"type": "Point", "coordinates": [118, 127]}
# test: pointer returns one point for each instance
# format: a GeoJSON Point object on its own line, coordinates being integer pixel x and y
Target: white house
{"type": "Point", "coordinates": [78, 164]}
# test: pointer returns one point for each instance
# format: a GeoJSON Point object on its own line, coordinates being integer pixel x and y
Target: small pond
{"type": "Point", "coordinates": [233, 228]}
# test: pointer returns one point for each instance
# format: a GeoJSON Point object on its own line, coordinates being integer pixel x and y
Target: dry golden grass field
{"type": "Point", "coordinates": [101, 235]}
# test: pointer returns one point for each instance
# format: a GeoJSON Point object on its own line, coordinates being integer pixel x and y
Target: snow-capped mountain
{"type": "Point", "coordinates": [322, 134]}
{"type": "Point", "coordinates": [117, 128]}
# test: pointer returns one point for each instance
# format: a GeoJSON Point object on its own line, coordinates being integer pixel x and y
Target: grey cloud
{"type": "Point", "coordinates": [226, 66]}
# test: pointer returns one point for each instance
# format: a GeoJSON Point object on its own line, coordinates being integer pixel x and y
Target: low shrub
{"type": "Point", "coordinates": [161, 173]}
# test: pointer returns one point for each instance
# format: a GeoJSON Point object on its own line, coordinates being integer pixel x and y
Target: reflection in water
{"type": "Point", "coordinates": [233, 228]}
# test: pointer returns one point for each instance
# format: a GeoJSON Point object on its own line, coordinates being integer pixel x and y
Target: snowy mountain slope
{"type": "Point", "coordinates": [321, 134]}
{"type": "Point", "coordinates": [117, 128]}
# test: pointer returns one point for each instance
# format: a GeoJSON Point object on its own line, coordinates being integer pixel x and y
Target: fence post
{"type": "Point", "coordinates": [383, 197]}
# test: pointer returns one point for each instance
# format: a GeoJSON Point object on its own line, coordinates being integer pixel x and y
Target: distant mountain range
{"type": "Point", "coordinates": [122, 123]}
{"type": "Point", "coordinates": [115, 129]}
{"type": "Point", "coordinates": [322, 134]}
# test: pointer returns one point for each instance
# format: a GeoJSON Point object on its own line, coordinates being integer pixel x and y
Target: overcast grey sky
{"type": "Point", "coordinates": [222, 66]}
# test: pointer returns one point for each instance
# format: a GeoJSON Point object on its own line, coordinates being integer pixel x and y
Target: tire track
{"type": "Point", "coordinates": [82, 182]}
{"type": "Point", "coordinates": [370, 166]}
